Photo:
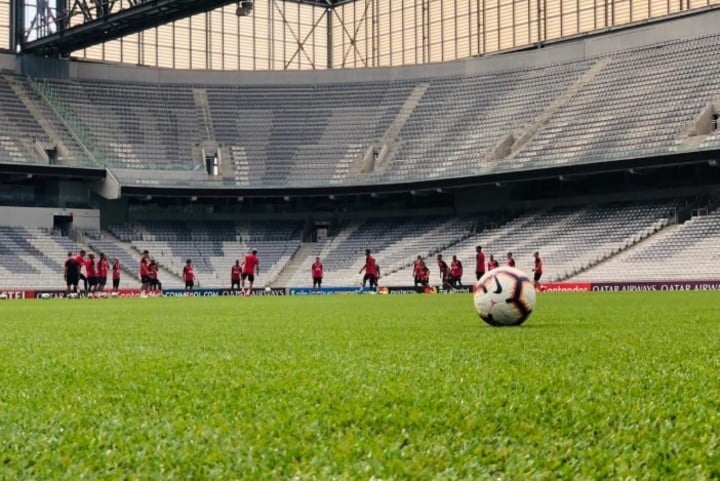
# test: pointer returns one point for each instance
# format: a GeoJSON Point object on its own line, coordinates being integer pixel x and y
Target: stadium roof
{"type": "Point", "coordinates": [59, 33]}
{"type": "Point", "coordinates": [324, 3]}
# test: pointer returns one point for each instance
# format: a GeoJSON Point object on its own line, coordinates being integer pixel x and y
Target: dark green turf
{"type": "Point", "coordinates": [610, 386]}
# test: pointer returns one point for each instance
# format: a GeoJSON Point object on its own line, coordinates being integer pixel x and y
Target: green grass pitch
{"type": "Point", "coordinates": [596, 386]}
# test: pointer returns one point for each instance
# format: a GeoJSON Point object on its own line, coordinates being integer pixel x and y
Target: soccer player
{"type": "Point", "coordinates": [102, 271]}
{"type": "Point", "coordinates": [144, 273]}
{"type": "Point", "coordinates": [72, 273]}
{"type": "Point", "coordinates": [80, 260]}
{"type": "Point", "coordinates": [116, 269]}
{"type": "Point", "coordinates": [444, 270]}
{"type": "Point", "coordinates": [317, 273]}
{"type": "Point", "coordinates": [456, 272]}
{"type": "Point", "coordinates": [189, 277]}
{"type": "Point", "coordinates": [479, 263]}
{"type": "Point", "coordinates": [372, 271]}
{"type": "Point", "coordinates": [425, 277]}
{"type": "Point", "coordinates": [537, 269]}
{"type": "Point", "coordinates": [91, 273]}
{"type": "Point", "coordinates": [419, 272]}
{"type": "Point", "coordinates": [250, 269]}
{"type": "Point", "coordinates": [492, 263]}
{"type": "Point", "coordinates": [235, 273]}
{"type": "Point", "coordinates": [155, 286]}
{"type": "Point", "coordinates": [510, 260]}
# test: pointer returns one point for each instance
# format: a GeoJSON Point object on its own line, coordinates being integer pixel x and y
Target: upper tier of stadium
{"type": "Point", "coordinates": [639, 92]}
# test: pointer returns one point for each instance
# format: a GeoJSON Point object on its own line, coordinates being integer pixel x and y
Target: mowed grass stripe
{"type": "Point", "coordinates": [608, 385]}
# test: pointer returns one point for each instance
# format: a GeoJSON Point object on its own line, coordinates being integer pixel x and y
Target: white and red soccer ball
{"type": "Point", "coordinates": [504, 297]}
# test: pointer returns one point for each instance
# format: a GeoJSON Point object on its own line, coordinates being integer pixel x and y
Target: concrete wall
{"type": "Point", "coordinates": [8, 62]}
{"type": "Point", "coordinates": [43, 217]}
{"type": "Point", "coordinates": [688, 25]}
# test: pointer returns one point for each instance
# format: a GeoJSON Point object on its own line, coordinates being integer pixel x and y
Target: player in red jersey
{"type": "Point", "coordinates": [492, 263]}
{"type": "Point", "coordinates": [479, 263]}
{"type": "Point", "coordinates": [80, 261]}
{"type": "Point", "coordinates": [250, 269]}
{"type": "Point", "coordinates": [189, 276]}
{"type": "Point", "coordinates": [155, 285]}
{"type": "Point", "coordinates": [420, 272]}
{"type": "Point", "coordinates": [510, 260]}
{"type": "Point", "coordinates": [91, 273]}
{"type": "Point", "coordinates": [116, 269]}
{"type": "Point", "coordinates": [537, 269]}
{"type": "Point", "coordinates": [456, 272]}
{"type": "Point", "coordinates": [316, 270]}
{"type": "Point", "coordinates": [235, 272]}
{"type": "Point", "coordinates": [444, 271]}
{"type": "Point", "coordinates": [102, 271]}
{"type": "Point", "coordinates": [144, 272]}
{"type": "Point", "coordinates": [372, 272]}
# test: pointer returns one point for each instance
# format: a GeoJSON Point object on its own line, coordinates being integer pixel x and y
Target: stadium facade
{"type": "Point", "coordinates": [601, 151]}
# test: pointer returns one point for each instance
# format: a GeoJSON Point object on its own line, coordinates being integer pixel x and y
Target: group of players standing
{"type": "Point", "coordinates": [451, 275]}
{"type": "Point", "coordinates": [239, 274]}
{"type": "Point", "coordinates": [95, 272]}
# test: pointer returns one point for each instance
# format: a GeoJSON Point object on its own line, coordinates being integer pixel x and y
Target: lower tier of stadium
{"type": "Point", "coordinates": [638, 241]}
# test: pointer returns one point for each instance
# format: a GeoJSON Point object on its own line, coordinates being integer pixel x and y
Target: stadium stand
{"type": "Point", "coordinates": [212, 246]}
{"type": "Point", "coordinates": [393, 242]}
{"type": "Point", "coordinates": [32, 258]}
{"type": "Point", "coordinates": [459, 120]}
{"type": "Point", "coordinates": [637, 105]}
{"type": "Point", "coordinates": [29, 127]}
{"type": "Point", "coordinates": [687, 251]}
{"type": "Point", "coordinates": [569, 239]}
{"type": "Point", "coordinates": [630, 103]}
{"type": "Point", "coordinates": [130, 126]}
{"type": "Point", "coordinates": [20, 134]}
{"type": "Point", "coordinates": [303, 135]}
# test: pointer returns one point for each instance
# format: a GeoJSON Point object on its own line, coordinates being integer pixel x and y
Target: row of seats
{"type": "Point", "coordinates": [686, 251]}
{"type": "Point", "coordinates": [568, 239]}
{"type": "Point", "coordinates": [393, 242]}
{"type": "Point", "coordinates": [212, 246]}
{"type": "Point", "coordinates": [637, 102]}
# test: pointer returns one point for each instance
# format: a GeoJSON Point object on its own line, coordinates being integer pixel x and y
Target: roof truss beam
{"type": "Point", "coordinates": [78, 24]}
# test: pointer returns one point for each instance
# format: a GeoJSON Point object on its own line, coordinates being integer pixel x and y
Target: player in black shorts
{"type": "Point", "coordinates": [116, 270]}
{"type": "Point", "coordinates": [189, 276]}
{"type": "Point", "coordinates": [72, 273]}
{"type": "Point", "coordinates": [537, 269]}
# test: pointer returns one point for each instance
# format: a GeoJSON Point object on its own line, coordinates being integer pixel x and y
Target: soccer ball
{"type": "Point", "coordinates": [268, 290]}
{"type": "Point", "coordinates": [504, 297]}
{"type": "Point", "coordinates": [45, 295]}
{"type": "Point", "coordinates": [3, 296]}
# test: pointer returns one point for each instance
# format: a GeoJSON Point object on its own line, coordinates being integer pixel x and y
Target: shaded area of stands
{"type": "Point", "coordinates": [569, 239]}
{"type": "Point", "coordinates": [32, 258]}
{"type": "Point", "coordinates": [393, 242]}
{"type": "Point", "coordinates": [689, 251]}
{"type": "Point", "coordinates": [212, 246]}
